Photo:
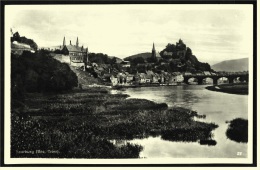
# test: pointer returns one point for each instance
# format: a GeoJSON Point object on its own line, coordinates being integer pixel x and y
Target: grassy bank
{"type": "Point", "coordinates": [81, 123]}
{"type": "Point", "coordinates": [239, 88]}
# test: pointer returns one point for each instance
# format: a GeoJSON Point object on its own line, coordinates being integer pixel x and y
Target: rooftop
{"type": "Point", "coordinates": [75, 48]}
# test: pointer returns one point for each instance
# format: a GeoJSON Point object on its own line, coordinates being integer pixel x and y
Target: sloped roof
{"type": "Point", "coordinates": [17, 45]}
{"type": "Point", "coordinates": [207, 73]}
{"type": "Point", "coordinates": [75, 48]}
{"type": "Point", "coordinates": [142, 75]}
{"type": "Point", "coordinates": [158, 55]}
{"type": "Point", "coordinates": [150, 72]}
{"type": "Point", "coordinates": [176, 73]}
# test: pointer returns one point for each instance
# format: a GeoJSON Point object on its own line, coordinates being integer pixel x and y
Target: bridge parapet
{"type": "Point", "coordinates": [213, 75]}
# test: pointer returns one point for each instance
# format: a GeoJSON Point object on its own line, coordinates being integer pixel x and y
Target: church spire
{"type": "Point", "coordinates": [153, 52]}
{"type": "Point", "coordinates": [153, 47]}
{"type": "Point", "coordinates": [64, 41]}
{"type": "Point", "coordinates": [77, 42]}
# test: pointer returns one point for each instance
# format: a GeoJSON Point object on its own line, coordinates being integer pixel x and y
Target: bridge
{"type": "Point", "coordinates": [231, 76]}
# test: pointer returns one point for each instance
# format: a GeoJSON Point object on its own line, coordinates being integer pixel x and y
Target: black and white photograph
{"type": "Point", "coordinates": [129, 83]}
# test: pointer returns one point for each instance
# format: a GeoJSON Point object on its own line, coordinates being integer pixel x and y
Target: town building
{"type": "Point", "coordinates": [114, 80]}
{"type": "Point", "coordinates": [75, 52]}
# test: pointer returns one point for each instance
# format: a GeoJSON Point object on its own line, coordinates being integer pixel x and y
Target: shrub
{"type": "Point", "coordinates": [238, 130]}
{"type": "Point", "coordinates": [39, 72]}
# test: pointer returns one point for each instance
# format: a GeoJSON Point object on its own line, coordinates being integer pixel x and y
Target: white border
{"type": "Point", "coordinates": [7, 81]}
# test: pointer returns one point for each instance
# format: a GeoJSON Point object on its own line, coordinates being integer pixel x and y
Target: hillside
{"type": "Point", "coordinates": [232, 65]}
{"type": "Point", "coordinates": [143, 55]}
{"type": "Point", "coordinates": [85, 78]}
{"type": "Point", "coordinates": [173, 58]}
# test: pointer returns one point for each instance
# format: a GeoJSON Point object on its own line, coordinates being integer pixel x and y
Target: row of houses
{"type": "Point", "coordinates": [150, 77]}
{"type": "Point", "coordinates": [147, 78]}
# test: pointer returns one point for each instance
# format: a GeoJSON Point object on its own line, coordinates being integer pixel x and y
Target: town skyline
{"type": "Point", "coordinates": [214, 33]}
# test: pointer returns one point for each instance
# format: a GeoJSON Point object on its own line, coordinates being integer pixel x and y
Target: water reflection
{"type": "Point", "coordinates": [218, 108]}
{"type": "Point", "coordinates": [208, 142]}
{"type": "Point", "coordinates": [187, 135]}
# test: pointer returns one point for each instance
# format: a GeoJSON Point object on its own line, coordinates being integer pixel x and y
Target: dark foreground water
{"type": "Point", "coordinates": [218, 108]}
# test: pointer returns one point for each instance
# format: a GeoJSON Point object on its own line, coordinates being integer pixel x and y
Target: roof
{"type": "Point", "coordinates": [158, 55]}
{"type": "Point", "coordinates": [15, 44]}
{"type": "Point", "coordinates": [142, 75]}
{"type": "Point", "coordinates": [207, 73]}
{"type": "Point", "coordinates": [75, 48]}
{"type": "Point", "coordinates": [187, 73]}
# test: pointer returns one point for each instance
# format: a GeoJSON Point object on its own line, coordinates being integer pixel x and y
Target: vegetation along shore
{"type": "Point", "coordinates": [236, 88]}
{"type": "Point", "coordinates": [81, 124]}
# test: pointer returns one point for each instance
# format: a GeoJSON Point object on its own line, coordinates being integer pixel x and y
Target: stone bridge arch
{"type": "Point", "coordinates": [186, 79]}
{"type": "Point", "coordinates": [229, 79]}
{"type": "Point", "coordinates": [207, 77]}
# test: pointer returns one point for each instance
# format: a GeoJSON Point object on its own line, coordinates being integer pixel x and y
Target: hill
{"type": "Point", "coordinates": [143, 55]}
{"type": "Point", "coordinates": [173, 58]}
{"type": "Point", "coordinates": [232, 65]}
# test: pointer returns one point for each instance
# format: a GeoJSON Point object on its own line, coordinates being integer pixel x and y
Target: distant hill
{"type": "Point", "coordinates": [232, 65]}
{"type": "Point", "coordinates": [143, 55]}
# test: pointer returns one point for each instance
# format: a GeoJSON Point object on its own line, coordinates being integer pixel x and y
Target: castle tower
{"type": "Point", "coordinates": [153, 52]}
{"type": "Point", "coordinates": [77, 42]}
{"type": "Point", "coordinates": [64, 41]}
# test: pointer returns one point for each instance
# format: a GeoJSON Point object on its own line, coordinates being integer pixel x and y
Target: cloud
{"type": "Point", "coordinates": [123, 30]}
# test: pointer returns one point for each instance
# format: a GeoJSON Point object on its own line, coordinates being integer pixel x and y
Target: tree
{"type": "Point", "coordinates": [138, 60]}
{"type": "Point", "coordinates": [151, 60]}
{"type": "Point", "coordinates": [39, 72]}
{"type": "Point", "coordinates": [113, 60]}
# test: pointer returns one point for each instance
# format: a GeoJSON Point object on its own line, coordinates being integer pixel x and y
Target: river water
{"type": "Point", "coordinates": [218, 108]}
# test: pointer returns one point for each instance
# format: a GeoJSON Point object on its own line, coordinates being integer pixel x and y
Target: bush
{"type": "Point", "coordinates": [39, 72]}
{"type": "Point", "coordinates": [238, 130]}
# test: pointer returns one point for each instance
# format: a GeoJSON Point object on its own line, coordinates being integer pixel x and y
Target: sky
{"type": "Point", "coordinates": [213, 32]}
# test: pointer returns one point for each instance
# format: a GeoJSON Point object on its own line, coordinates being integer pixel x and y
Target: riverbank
{"type": "Point", "coordinates": [144, 85]}
{"type": "Point", "coordinates": [81, 123]}
{"type": "Point", "coordinates": [235, 88]}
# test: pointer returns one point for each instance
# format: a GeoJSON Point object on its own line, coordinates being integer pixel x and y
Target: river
{"type": "Point", "coordinates": [218, 108]}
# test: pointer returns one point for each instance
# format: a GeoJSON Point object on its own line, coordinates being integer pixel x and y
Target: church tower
{"type": "Point", "coordinates": [64, 41]}
{"type": "Point", "coordinates": [77, 42]}
{"type": "Point", "coordinates": [153, 52]}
